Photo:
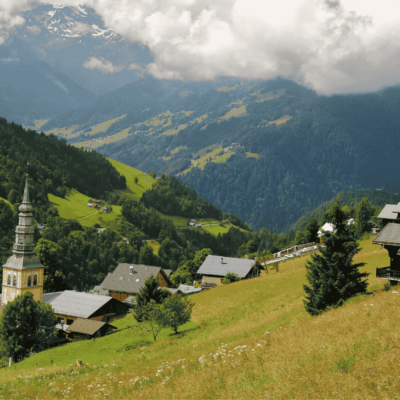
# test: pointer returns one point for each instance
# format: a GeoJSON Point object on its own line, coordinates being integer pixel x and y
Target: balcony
{"type": "Point", "coordinates": [387, 273]}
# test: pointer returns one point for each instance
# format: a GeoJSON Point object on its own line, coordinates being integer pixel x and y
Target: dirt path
{"type": "Point", "coordinates": [87, 216]}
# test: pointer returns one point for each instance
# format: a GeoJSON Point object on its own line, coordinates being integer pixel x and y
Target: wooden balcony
{"type": "Point", "coordinates": [387, 273]}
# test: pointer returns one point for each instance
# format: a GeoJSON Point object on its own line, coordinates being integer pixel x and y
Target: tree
{"type": "Point", "coordinates": [364, 214]}
{"type": "Point", "coordinates": [153, 174]}
{"type": "Point", "coordinates": [177, 311]}
{"type": "Point", "coordinates": [136, 180]}
{"type": "Point", "coordinates": [312, 228]}
{"type": "Point", "coordinates": [229, 278]}
{"type": "Point", "coordinates": [150, 291]}
{"type": "Point", "coordinates": [332, 276]}
{"type": "Point", "coordinates": [26, 324]}
{"type": "Point", "coordinates": [154, 315]}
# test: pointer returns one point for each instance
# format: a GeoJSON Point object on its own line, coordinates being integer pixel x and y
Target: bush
{"type": "Point", "coordinates": [230, 277]}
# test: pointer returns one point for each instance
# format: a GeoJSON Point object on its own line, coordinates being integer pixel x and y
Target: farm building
{"type": "Point", "coordinates": [128, 279]}
{"type": "Point", "coordinates": [84, 329]}
{"type": "Point", "coordinates": [70, 305]}
{"type": "Point", "coordinates": [390, 214]}
{"type": "Point", "coordinates": [214, 268]}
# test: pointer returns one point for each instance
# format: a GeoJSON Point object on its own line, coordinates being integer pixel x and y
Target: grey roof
{"type": "Point", "coordinates": [212, 266]}
{"type": "Point", "coordinates": [23, 263]}
{"type": "Point", "coordinates": [77, 304]}
{"type": "Point", "coordinates": [172, 290]}
{"type": "Point", "coordinates": [48, 297]}
{"type": "Point", "coordinates": [99, 290]}
{"type": "Point", "coordinates": [389, 235]}
{"type": "Point", "coordinates": [168, 272]}
{"type": "Point", "coordinates": [121, 280]}
{"type": "Point", "coordinates": [130, 301]}
{"type": "Point", "coordinates": [388, 212]}
{"type": "Point", "coordinates": [87, 326]}
{"type": "Point", "coordinates": [189, 289]}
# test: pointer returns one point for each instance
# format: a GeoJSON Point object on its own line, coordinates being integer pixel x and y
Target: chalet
{"type": "Point", "coordinates": [184, 289]}
{"type": "Point", "coordinates": [214, 269]}
{"type": "Point", "coordinates": [128, 279]}
{"type": "Point", "coordinates": [389, 238]}
{"type": "Point", "coordinates": [390, 214]}
{"type": "Point", "coordinates": [105, 209]}
{"type": "Point", "coordinates": [70, 305]}
{"type": "Point", "coordinates": [84, 329]}
{"type": "Point", "coordinates": [168, 272]}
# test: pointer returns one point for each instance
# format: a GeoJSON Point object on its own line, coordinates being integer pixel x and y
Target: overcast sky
{"type": "Point", "coordinates": [330, 46]}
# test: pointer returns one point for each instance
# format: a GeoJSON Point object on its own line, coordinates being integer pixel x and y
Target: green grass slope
{"type": "Point", "coordinates": [133, 190]}
{"type": "Point", "coordinates": [253, 340]}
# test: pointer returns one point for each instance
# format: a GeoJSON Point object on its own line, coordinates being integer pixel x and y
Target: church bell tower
{"type": "Point", "coordinates": [23, 271]}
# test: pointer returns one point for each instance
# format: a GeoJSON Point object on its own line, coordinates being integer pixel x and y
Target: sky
{"type": "Point", "coordinates": [330, 46]}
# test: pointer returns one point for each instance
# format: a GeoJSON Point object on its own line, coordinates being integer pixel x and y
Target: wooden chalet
{"type": "Point", "coordinates": [84, 329]}
{"type": "Point", "coordinates": [214, 269]}
{"type": "Point", "coordinates": [389, 238]}
{"type": "Point", "coordinates": [128, 279]}
{"type": "Point", "coordinates": [70, 305]}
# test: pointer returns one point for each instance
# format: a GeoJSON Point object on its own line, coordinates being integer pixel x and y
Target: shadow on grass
{"type": "Point", "coordinates": [181, 334]}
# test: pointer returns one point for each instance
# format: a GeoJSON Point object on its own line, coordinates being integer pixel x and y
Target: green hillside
{"type": "Point", "coordinates": [261, 344]}
{"type": "Point", "coordinates": [133, 190]}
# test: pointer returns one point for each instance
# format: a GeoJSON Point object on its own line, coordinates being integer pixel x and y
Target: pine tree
{"type": "Point", "coordinates": [150, 291]}
{"type": "Point", "coordinates": [364, 213]}
{"type": "Point", "coordinates": [332, 276]}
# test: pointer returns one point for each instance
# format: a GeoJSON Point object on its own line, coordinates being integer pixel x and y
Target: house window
{"type": "Point", "coordinates": [29, 281]}
{"type": "Point", "coordinates": [15, 280]}
{"type": "Point", "coordinates": [35, 280]}
{"type": "Point", "coordinates": [9, 279]}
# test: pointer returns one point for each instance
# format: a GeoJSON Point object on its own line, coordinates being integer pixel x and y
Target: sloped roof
{"type": "Point", "coordinates": [212, 266]}
{"type": "Point", "coordinates": [168, 272]}
{"type": "Point", "coordinates": [130, 301]}
{"type": "Point", "coordinates": [172, 290]}
{"type": "Point", "coordinates": [121, 280]}
{"type": "Point", "coordinates": [189, 289]}
{"type": "Point", "coordinates": [389, 235]}
{"type": "Point", "coordinates": [77, 304]}
{"type": "Point", "coordinates": [388, 212]}
{"type": "Point", "coordinates": [87, 326]}
{"type": "Point", "coordinates": [47, 297]}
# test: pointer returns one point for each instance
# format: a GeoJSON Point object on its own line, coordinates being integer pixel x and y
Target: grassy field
{"type": "Point", "coordinates": [250, 340]}
{"type": "Point", "coordinates": [255, 155]}
{"type": "Point", "coordinates": [66, 132]}
{"type": "Point", "coordinates": [281, 120]}
{"type": "Point", "coordinates": [216, 229]}
{"type": "Point", "coordinates": [155, 245]}
{"type": "Point", "coordinates": [73, 206]}
{"type": "Point", "coordinates": [227, 89]}
{"type": "Point", "coordinates": [39, 123]}
{"type": "Point", "coordinates": [93, 144]}
{"type": "Point", "coordinates": [176, 220]}
{"type": "Point", "coordinates": [175, 131]}
{"type": "Point", "coordinates": [104, 125]}
{"type": "Point", "coordinates": [133, 190]}
{"type": "Point", "coordinates": [235, 112]}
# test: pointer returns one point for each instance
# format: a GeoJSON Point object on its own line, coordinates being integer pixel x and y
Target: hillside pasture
{"type": "Point", "coordinates": [235, 112]}
{"type": "Point", "coordinates": [216, 229]}
{"type": "Point", "coordinates": [93, 144]}
{"type": "Point", "coordinates": [67, 133]}
{"type": "Point", "coordinates": [133, 190]}
{"type": "Point", "coordinates": [73, 206]}
{"type": "Point", "coordinates": [281, 120]}
{"type": "Point", "coordinates": [102, 127]}
{"type": "Point", "coordinates": [250, 340]}
{"type": "Point", "coordinates": [39, 123]}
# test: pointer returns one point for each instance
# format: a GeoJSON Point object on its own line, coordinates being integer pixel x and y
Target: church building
{"type": "Point", "coordinates": [23, 271]}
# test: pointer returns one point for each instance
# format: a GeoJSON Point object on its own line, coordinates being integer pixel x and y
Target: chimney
{"type": "Point", "coordinates": [131, 269]}
{"type": "Point", "coordinates": [222, 260]}
{"type": "Point", "coordinates": [246, 256]}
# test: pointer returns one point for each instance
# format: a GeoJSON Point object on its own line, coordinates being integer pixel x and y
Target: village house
{"type": "Point", "coordinates": [85, 329]}
{"type": "Point", "coordinates": [214, 268]}
{"type": "Point", "coordinates": [70, 305]}
{"type": "Point", "coordinates": [389, 238]}
{"type": "Point", "coordinates": [128, 279]}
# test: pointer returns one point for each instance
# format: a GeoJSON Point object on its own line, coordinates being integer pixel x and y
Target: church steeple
{"type": "Point", "coordinates": [24, 241]}
{"type": "Point", "coordinates": [23, 271]}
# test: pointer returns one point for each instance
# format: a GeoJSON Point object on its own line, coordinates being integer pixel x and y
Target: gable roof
{"type": "Point", "coordinates": [388, 212]}
{"type": "Point", "coordinates": [389, 235]}
{"type": "Point", "coordinates": [121, 280]}
{"type": "Point", "coordinates": [77, 304]}
{"type": "Point", "coordinates": [47, 297]}
{"type": "Point", "coordinates": [212, 266]}
{"type": "Point", "coordinates": [87, 326]}
{"type": "Point", "coordinates": [168, 272]}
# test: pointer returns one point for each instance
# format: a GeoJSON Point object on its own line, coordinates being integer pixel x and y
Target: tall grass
{"type": "Point", "coordinates": [254, 341]}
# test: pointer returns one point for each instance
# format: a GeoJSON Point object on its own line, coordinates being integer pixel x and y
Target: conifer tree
{"type": "Point", "coordinates": [332, 275]}
{"type": "Point", "coordinates": [150, 291]}
{"type": "Point", "coordinates": [364, 213]}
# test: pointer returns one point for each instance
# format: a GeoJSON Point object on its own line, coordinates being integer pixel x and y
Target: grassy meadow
{"type": "Point", "coordinates": [248, 340]}
{"type": "Point", "coordinates": [133, 190]}
{"type": "Point", "coordinates": [216, 229]}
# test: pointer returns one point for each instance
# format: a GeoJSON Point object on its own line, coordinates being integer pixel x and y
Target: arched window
{"type": "Point", "coordinates": [35, 280]}
{"type": "Point", "coordinates": [9, 279]}
{"type": "Point", "coordinates": [29, 280]}
{"type": "Point", "coordinates": [15, 280]}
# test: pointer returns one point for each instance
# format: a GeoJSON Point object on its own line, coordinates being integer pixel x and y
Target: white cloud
{"type": "Point", "coordinates": [332, 46]}
{"type": "Point", "coordinates": [34, 29]}
{"type": "Point", "coordinates": [104, 66]}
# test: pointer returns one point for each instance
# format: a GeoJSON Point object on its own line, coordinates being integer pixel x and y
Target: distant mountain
{"type": "Point", "coordinates": [31, 89]}
{"type": "Point", "coordinates": [68, 37]}
{"type": "Point", "coordinates": [267, 151]}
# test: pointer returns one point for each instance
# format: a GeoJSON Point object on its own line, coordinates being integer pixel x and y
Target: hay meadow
{"type": "Point", "coordinates": [247, 340]}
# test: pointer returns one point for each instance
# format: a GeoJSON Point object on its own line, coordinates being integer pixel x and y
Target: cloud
{"type": "Point", "coordinates": [34, 29]}
{"type": "Point", "coordinates": [331, 46]}
{"type": "Point", "coordinates": [104, 66]}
